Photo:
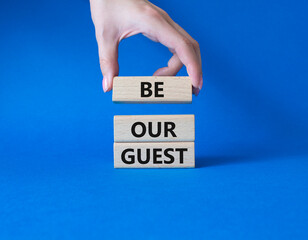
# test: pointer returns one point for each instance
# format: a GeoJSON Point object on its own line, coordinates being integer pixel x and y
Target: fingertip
{"type": "Point", "coordinates": [196, 91]}
{"type": "Point", "coordinates": [165, 71]}
{"type": "Point", "coordinates": [157, 72]}
{"type": "Point", "coordinates": [162, 72]}
{"type": "Point", "coordinates": [195, 75]}
{"type": "Point", "coordinates": [106, 85]}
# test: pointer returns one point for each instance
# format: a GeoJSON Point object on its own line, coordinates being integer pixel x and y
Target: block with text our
{"type": "Point", "coordinates": [154, 155]}
{"type": "Point", "coordinates": [155, 89]}
{"type": "Point", "coordinates": [159, 128]}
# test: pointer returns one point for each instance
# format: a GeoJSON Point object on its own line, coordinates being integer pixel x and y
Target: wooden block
{"type": "Point", "coordinates": [158, 128]}
{"type": "Point", "coordinates": [152, 89]}
{"type": "Point", "coordinates": [154, 155]}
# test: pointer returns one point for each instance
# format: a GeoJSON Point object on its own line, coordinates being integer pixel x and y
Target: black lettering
{"type": "Point", "coordinates": [156, 155]}
{"type": "Point", "coordinates": [133, 129]}
{"type": "Point", "coordinates": [169, 127]}
{"type": "Point", "coordinates": [181, 154]}
{"type": "Point", "coordinates": [147, 156]}
{"type": "Point", "coordinates": [166, 153]}
{"type": "Point", "coordinates": [157, 134]}
{"type": "Point", "coordinates": [146, 89]}
{"type": "Point", "coordinates": [131, 157]}
{"type": "Point", "coordinates": [157, 89]}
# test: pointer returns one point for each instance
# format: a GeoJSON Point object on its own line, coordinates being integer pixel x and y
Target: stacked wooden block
{"type": "Point", "coordinates": [153, 141]}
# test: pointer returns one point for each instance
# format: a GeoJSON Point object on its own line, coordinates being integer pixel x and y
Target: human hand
{"type": "Point", "coordinates": [115, 20]}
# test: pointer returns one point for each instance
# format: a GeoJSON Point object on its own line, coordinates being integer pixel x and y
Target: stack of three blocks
{"type": "Point", "coordinates": [153, 141]}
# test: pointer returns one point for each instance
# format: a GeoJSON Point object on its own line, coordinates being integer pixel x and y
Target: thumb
{"type": "Point", "coordinates": [108, 58]}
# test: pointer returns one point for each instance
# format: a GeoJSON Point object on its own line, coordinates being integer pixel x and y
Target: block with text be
{"type": "Point", "coordinates": [155, 89]}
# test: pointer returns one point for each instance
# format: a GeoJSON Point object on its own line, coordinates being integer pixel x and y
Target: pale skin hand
{"type": "Point", "coordinates": [115, 20]}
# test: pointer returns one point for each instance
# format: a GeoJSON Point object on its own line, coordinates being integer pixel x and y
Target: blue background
{"type": "Point", "coordinates": [57, 179]}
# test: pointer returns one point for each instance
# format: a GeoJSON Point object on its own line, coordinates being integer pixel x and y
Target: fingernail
{"type": "Point", "coordinates": [201, 82]}
{"type": "Point", "coordinates": [105, 85]}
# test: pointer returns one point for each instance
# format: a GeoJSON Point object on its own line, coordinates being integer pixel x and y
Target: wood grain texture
{"type": "Point", "coordinates": [157, 128]}
{"type": "Point", "coordinates": [173, 89]}
{"type": "Point", "coordinates": [154, 155]}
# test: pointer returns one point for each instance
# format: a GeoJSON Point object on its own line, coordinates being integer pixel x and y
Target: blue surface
{"type": "Point", "coordinates": [56, 127]}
